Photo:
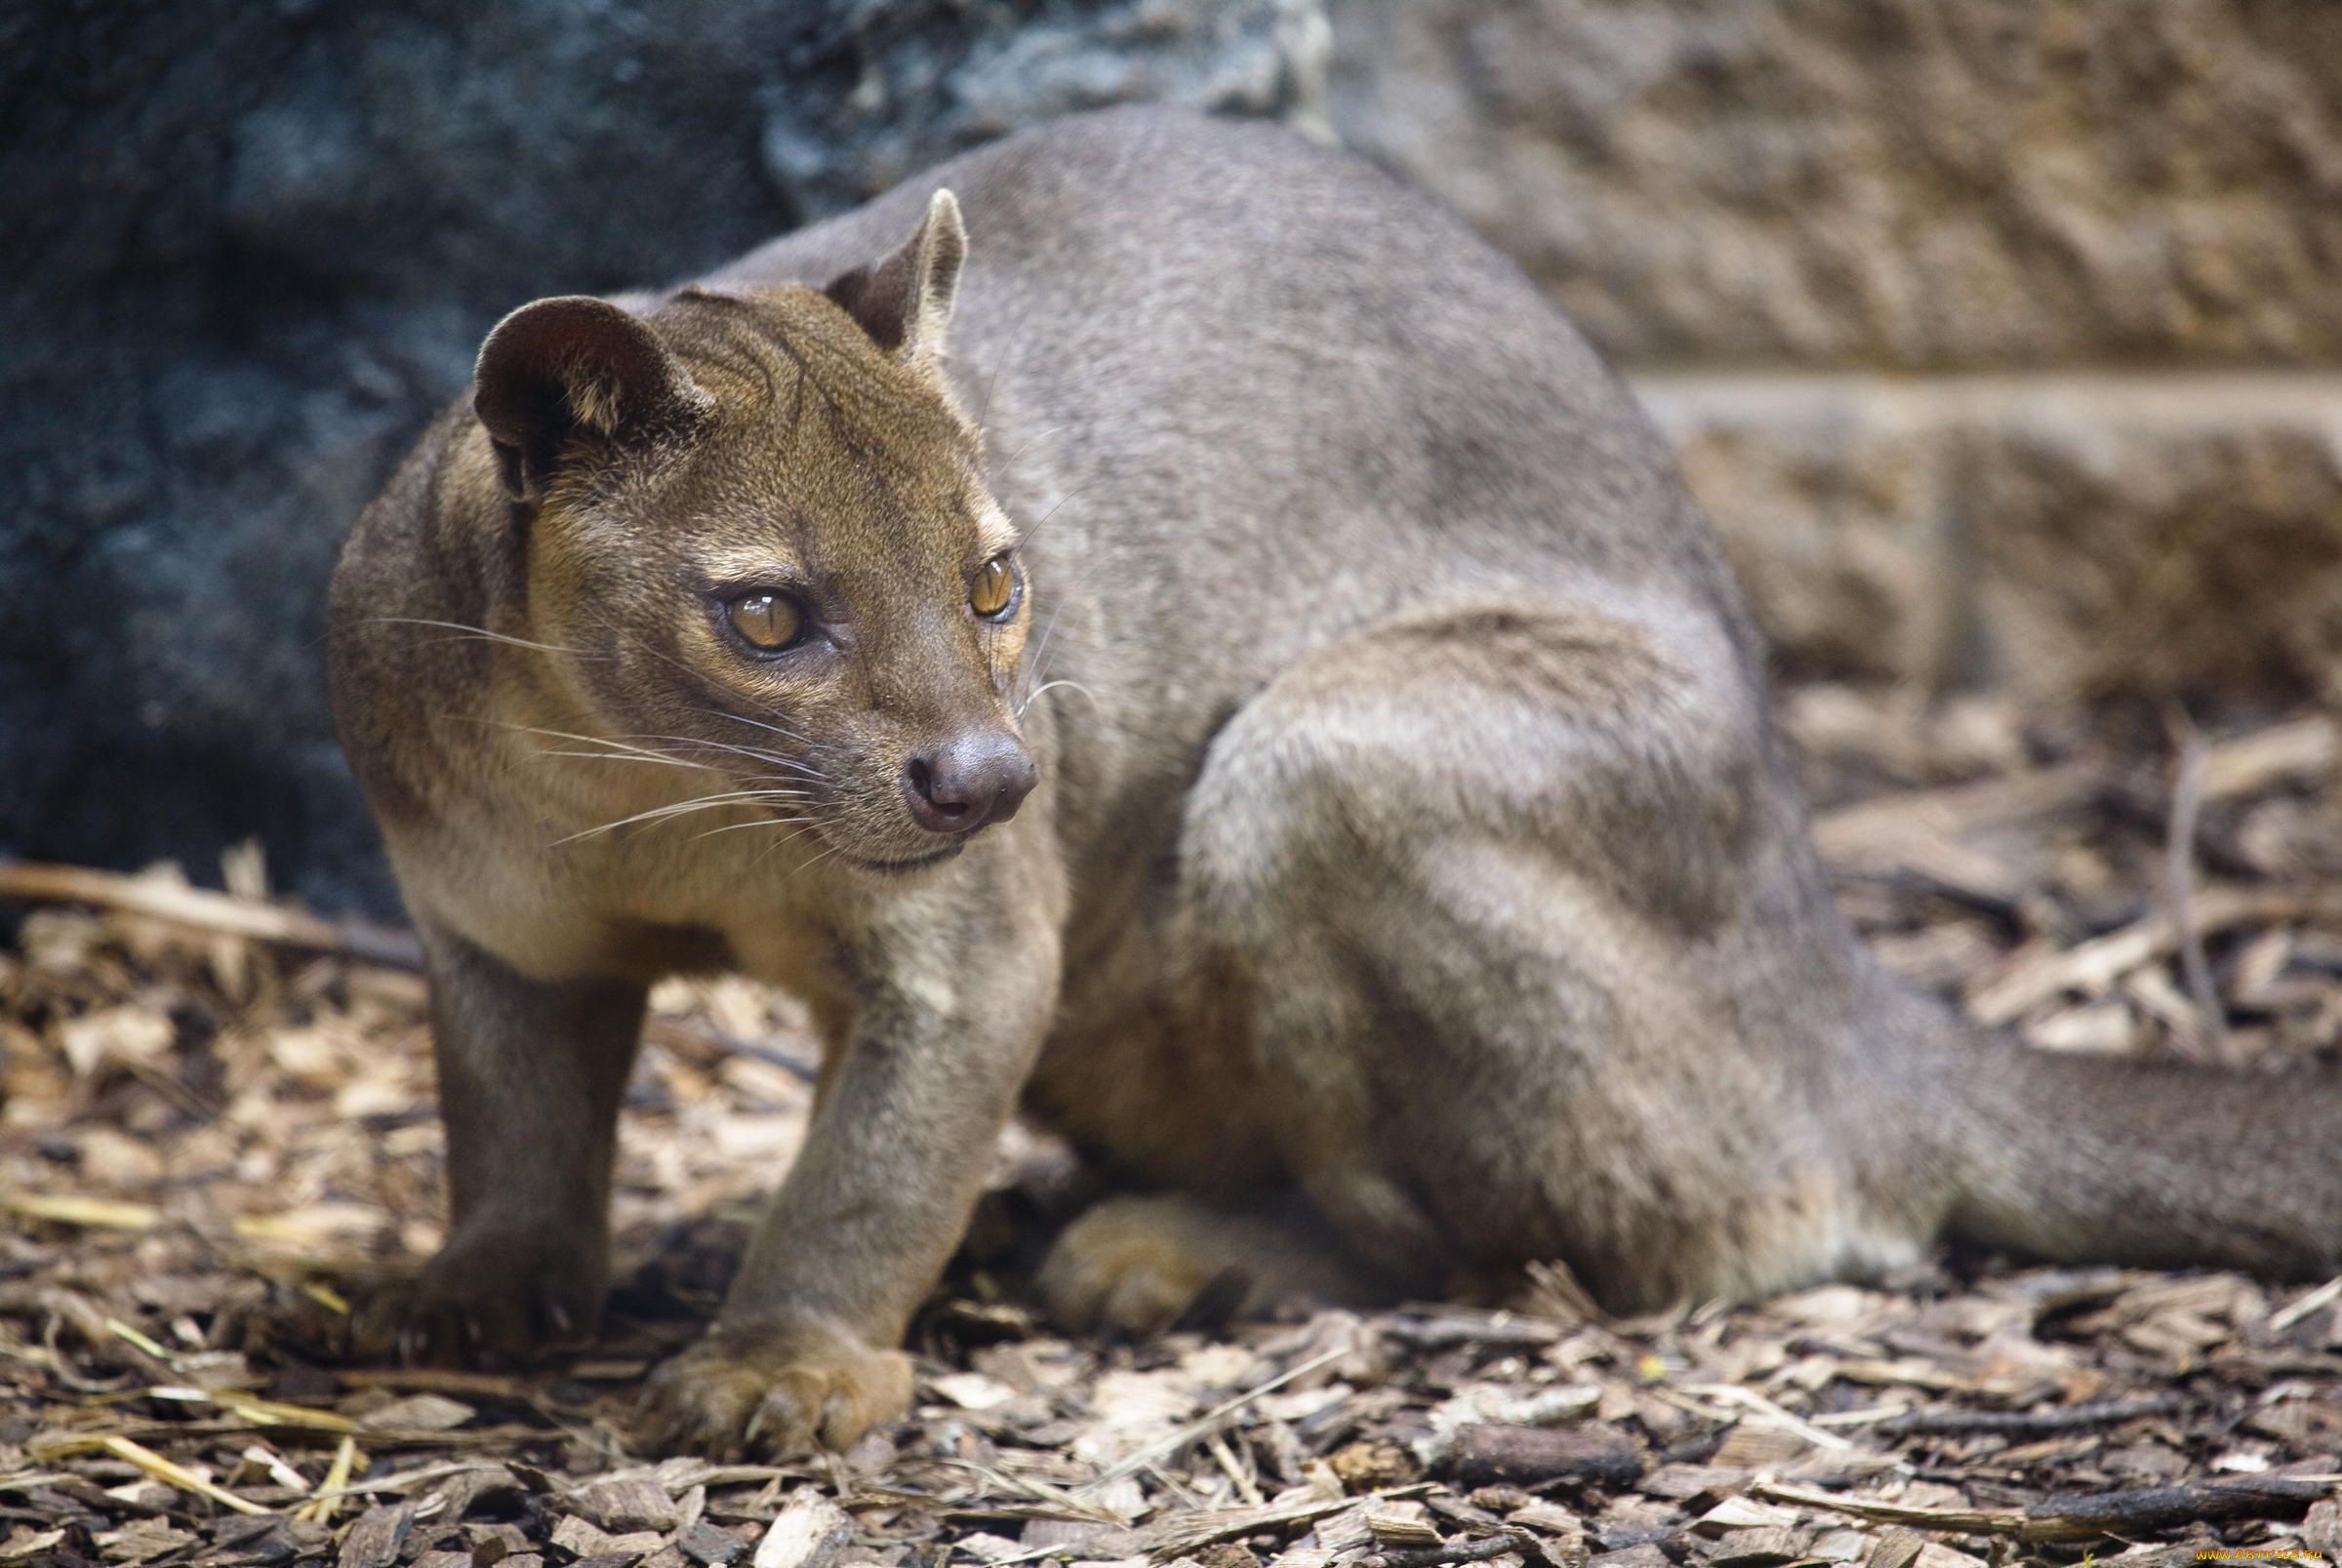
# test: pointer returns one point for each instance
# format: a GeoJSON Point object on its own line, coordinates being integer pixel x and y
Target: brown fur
{"type": "Point", "coordinates": [1413, 886]}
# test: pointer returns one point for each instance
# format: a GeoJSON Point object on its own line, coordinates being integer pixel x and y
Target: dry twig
{"type": "Point", "coordinates": [2023, 1423]}
{"type": "Point", "coordinates": [2076, 1516]}
{"type": "Point", "coordinates": [2179, 888]}
{"type": "Point", "coordinates": [199, 909]}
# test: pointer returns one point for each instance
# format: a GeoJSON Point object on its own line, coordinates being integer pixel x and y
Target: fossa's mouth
{"type": "Point", "coordinates": [915, 862]}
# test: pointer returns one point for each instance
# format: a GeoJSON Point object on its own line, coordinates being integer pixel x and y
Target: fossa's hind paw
{"type": "Point", "coordinates": [1142, 1264]}
{"type": "Point", "coordinates": [1120, 1267]}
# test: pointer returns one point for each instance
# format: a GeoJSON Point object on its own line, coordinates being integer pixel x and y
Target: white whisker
{"type": "Point", "coordinates": [482, 634]}
{"type": "Point", "coordinates": [732, 797]}
{"type": "Point", "coordinates": [625, 757]}
{"type": "Point", "coordinates": [774, 729]}
{"type": "Point", "coordinates": [751, 753]}
{"type": "Point", "coordinates": [1034, 695]}
{"type": "Point", "coordinates": [801, 824]}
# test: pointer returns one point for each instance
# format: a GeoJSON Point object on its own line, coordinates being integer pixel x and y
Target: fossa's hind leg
{"type": "Point", "coordinates": [1537, 962]}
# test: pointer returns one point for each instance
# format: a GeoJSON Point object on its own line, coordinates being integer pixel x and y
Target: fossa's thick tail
{"type": "Point", "coordinates": [2083, 1160]}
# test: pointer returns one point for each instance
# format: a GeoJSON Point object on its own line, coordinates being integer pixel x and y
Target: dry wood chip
{"type": "Point", "coordinates": [1362, 1466]}
{"type": "Point", "coordinates": [1444, 1329]}
{"type": "Point", "coordinates": [1191, 1533]}
{"type": "Point", "coordinates": [1122, 1497]}
{"type": "Point", "coordinates": [1896, 1548]}
{"type": "Point", "coordinates": [376, 1539]}
{"type": "Point", "coordinates": [589, 1539]}
{"type": "Point", "coordinates": [486, 1544]}
{"type": "Point", "coordinates": [683, 1472]}
{"type": "Point", "coordinates": [710, 1544]}
{"type": "Point", "coordinates": [1457, 1513]}
{"type": "Point", "coordinates": [419, 1412]}
{"type": "Point", "coordinates": [492, 1543]}
{"type": "Point", "coordinates": [1839, 1471]}
{"type": "Point", "coordinates": [1681, 1484]}
{"type": "Point", "coordinates": [1769, 1544]}
{"type": "Point", "coordinates": [1485, 1403]}
{"type": "Point", "coordinates": [2322, 1529]}
{"type": "Point", "coordinates": [1081, 1537]}
{"type": "Point", "coordinates": [245, 1543]}
{"type": "Point", "coordinates": [1839, 1546]}
{"type": "Point", "coordinates": [1529, 1455]}
{"type": "Point", "coordinates": [1500, 1499]}
{"type": "Point", "coordinates": [1402, 1525]}
{"type": "Point", "coordinates": [1547, 1519]}
{"type": "Point", "coordinates": [1509, 1545]}
{"type": "Point", "coordinates": [1136, 1399]}
{"type": "Point", "coordinates": [1643, 1555]}
{"type": "Point", "coordinates": [1757, 1445]}
{"type": "Point", "coordinates": [973, 1391]}
{"type": "Point", "coordinates": [1346, 1531]}
{"type": "Point", "coordinates": [807, 1533]}
{"type": "Point", "coordinates": [140, 1539]}
{"type": "Point", "coordinates": [622, 1503]}
{"type": "Point", "coordinates": [1744, 1514]}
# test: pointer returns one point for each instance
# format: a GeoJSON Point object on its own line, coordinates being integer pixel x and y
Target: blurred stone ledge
{"type": "Point", "coordinates": [2075, 536]}
{"type": "Point", "coordinates": [1919, 185]}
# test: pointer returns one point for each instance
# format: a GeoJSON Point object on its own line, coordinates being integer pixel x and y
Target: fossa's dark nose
{"type": "Point", "coordinates": [983, 777]}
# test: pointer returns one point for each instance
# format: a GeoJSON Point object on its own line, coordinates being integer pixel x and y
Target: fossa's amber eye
{"type": "Point", "coordinates": [770, 621]}
{"type": "Point", "coordinates": [994, 588]}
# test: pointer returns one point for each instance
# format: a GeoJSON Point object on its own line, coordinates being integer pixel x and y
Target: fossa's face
{"type": "Point", "coordinates": [805, 589]}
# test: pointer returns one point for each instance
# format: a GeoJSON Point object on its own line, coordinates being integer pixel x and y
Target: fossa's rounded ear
{"type": "Point", "coordinates": [905, 302]}
{"type": "Point", "coordinates": [567, 365]}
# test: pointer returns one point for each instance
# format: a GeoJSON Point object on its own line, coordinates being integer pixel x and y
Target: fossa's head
{"type": "Point", "coordinates": [758, 529]}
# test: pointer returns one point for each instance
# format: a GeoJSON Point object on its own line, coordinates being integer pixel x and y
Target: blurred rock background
{"type": "Point", "coordinates": [2000, 335]}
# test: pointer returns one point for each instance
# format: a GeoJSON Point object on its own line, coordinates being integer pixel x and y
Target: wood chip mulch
{"type": "Point", "coordinates": [218, 1128]}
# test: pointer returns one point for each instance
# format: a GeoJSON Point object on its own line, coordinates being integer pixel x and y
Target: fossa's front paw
{"type": "Point", "coordinates": [776, 1389]}
{"type": "Point", "coordinates": [488, 1299]}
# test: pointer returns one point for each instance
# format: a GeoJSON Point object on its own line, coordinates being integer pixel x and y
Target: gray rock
{"type": "Point", "coordinates": [1883, 182]}
{"type": "Point", "coordinates": [2071, 536]}
{"type": "Point", "coordinates": [1761, 209]}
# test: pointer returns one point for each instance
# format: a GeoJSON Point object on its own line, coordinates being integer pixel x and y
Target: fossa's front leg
{"type": "Point", "coordinates": [531, 1074]}
{"type": "Point", "coordinates": [953, 1001]}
